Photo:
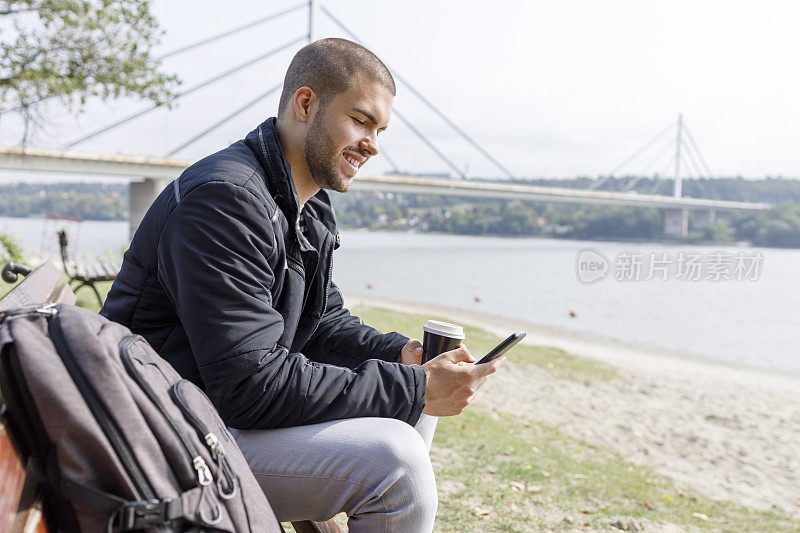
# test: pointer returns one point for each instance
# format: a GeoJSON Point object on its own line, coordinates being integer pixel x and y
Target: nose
{"type": "Point", "coordinates": [370, 144]}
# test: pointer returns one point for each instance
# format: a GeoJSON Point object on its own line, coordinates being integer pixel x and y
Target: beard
{"type": "Point", "coordinates": [322, 157]}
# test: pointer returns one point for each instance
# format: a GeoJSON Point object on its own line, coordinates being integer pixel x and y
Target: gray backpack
{"type": "Point", "coordinates": [119, 440]}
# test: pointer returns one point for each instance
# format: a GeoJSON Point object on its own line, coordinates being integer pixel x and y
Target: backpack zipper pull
{"type": "Point", "coordinates": [48, 310]}
{"type": "Point", "coordinates": [203, 472]}
{"type": "Point", "coordinates": [218, 453]}
{"type": "Point", "coordinates": [214, 446]}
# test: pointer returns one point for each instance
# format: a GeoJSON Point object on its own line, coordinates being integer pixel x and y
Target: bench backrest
{"type": "Point", "coordinates": [41, 285]}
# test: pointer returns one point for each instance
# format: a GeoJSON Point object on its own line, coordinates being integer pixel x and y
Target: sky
{"type": "Point", "coordinates": [551, 89]}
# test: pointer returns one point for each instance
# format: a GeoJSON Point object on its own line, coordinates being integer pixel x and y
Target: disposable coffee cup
{"type": "Point", "coordinates": [440, 337]}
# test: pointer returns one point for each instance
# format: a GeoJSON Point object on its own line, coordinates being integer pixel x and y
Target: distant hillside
{"type": "Point", "coordinates": [89, 201]}
{"type": "Point", "coordinates": [769, 190]}
{"type": "Point", "coordinates": [777, 227]}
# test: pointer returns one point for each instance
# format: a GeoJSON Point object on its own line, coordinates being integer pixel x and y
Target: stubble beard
{"type": "Point", "coordinates": [322, 157]}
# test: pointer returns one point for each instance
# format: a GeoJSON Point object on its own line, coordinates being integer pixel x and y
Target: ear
{"type": "Point", "coordinates": [303, 100]}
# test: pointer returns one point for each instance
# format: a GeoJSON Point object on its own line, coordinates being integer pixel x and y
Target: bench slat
{"type": "Point", "coordinates": [62, 295]}
{"type": "Point", "coordinates": [111, 270]}
{"type": "Point", "coordinates": [80, 270]}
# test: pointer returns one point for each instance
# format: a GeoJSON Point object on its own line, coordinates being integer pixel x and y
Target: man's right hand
{"type": "Point", "coordinates": [453, 379]}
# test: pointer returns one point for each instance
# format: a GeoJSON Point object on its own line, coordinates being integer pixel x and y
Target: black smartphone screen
{"type": "Point", "coordinates": [503, 347]}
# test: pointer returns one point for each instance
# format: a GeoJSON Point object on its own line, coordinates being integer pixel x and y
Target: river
{"type": "Point", "coordinates": [751, 318]}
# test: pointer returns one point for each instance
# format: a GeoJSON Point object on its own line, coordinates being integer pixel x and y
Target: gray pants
{"type": "Point", "coordinates": [376, 470]}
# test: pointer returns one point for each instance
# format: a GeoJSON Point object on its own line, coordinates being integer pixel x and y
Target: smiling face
{"type": "Point", "coordinates": [343, 134]}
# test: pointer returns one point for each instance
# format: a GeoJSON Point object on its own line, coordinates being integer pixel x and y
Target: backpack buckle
{"type": "Point", "coordinates": [143, 514]}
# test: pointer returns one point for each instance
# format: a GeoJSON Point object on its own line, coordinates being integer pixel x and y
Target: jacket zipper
{"type": "Point", "coordinates": [101, 415]}
{"type": "Point", "coordinates": [204, 476]}
{"type": "Point", "coordinates": [295, 264]}
{"type": "Point", "coordinates": [210, 439]}
{"type": "Point", "coordinates": [327, 289]}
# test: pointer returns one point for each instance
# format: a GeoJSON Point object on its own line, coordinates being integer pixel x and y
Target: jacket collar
{"type": "Point", "coordinates": [263, 141]}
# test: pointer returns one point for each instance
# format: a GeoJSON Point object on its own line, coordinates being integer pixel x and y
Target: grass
{"type": "Point", "coordinates": [85, 297]}
{"type": "Point", "coordinates": [498, 473]}
{"type": "Point", "coordinates": [557, 362]}
{"type": "Point", "coordinates": [501, 473]}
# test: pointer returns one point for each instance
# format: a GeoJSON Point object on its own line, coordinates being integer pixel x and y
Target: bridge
{"type": "Point", "coordinates": [152, 174]}
{"type": "Point", "coordinates": [149, 175]}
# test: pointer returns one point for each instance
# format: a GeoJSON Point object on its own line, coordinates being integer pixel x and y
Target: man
{"type": "Point", "coordinates": [229, 278]}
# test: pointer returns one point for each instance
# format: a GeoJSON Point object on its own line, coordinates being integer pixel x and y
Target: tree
{"type": "Point", "coordinates": [71, 50]}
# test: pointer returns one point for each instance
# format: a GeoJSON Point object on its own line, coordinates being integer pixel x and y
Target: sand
{"type": "Point", "coordinates": [725, 431]}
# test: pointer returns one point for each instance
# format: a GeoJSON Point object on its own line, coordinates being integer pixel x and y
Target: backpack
{"type": "Point", "coordinates": [119, 440]}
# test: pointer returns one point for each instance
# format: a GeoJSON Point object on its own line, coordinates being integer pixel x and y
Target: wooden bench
{"type": "Point", "coordinates": [20, 495]}
{"type": "Point", "coordinates": [85, 274]}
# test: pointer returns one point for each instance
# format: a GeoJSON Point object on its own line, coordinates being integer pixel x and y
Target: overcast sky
{"type": "Point", "coordinates": [554, 89]}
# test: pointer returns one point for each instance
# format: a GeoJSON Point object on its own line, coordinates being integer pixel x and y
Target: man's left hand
{"type": "Point", "coordinates": [411, 354]}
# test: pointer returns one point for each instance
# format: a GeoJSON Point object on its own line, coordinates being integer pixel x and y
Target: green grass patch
{"type": "Point", "coordinates": [558, 362]}
{"type": "Point", "coordinates": [527, 476]}
{"type": "Point", "coordinates": [85, 297]}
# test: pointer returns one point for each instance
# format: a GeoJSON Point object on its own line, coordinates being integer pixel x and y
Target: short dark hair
{"type": "Point", "coordinates": [331, 66]}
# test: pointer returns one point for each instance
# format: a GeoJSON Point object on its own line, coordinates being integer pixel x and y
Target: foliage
{"type": "Point", "coordinates": [779, 226]}
{"type": "Point", "coordinates": [89, 201]}
{"type": "Point", "coordinates": [10, 250]}
{"type": "Point", "coordinates": [769, 190]}
{"type": "Point", "coordinates": [718, 232]}
{"type": "Point", "coordinates": [75, 49]}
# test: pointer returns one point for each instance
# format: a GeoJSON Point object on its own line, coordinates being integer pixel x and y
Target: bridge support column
{"type": "Point", "coordinates": [141, 195]}
{"type": "Point", "coordinates": [702, 219]}
{"type": "Point", "coordinates": [676, 222]}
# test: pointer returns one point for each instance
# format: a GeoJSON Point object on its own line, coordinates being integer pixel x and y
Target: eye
{"type": "Point", "coordinates": [359, 122]}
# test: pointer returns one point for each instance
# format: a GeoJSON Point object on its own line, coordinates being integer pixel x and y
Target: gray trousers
{"type": "Point", "coordinates": [376, 470]}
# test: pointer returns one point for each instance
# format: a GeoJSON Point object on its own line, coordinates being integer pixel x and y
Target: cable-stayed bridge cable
{"type": "Point", "coordinates": [665, 149]}
{"type": "Point", "coordinates": [426, 141]}
{"type": "Point", "coordinates": [659, 155]}
{"type": "Point", "coordinates": [425, 100]}
{"type": "Point", "coordinates": [690, 158]}
{"type": "Point", "coordinates": [192, 89]}
{"type": "Point", "coordinates": [697, 149]}
{"type": "Point", "coordinates": [631, 184]}
{"type": "Point", "coordinates": [636, 154]}
{"type": "Point", "coordinates": [223, 120]}
{"type": "Point", "coordinates": [232, 31]}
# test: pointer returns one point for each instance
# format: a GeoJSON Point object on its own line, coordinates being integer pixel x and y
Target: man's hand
{"type": "Point", "coordinates": [453, 379]}
{"type": "Point", "coordinates": [411, 354]}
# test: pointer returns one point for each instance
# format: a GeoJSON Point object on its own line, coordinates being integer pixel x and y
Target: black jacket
{"type": "Point", "coordinates": [223, 284]}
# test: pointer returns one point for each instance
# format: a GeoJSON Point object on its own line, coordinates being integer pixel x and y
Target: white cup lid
{"type": "Point", "coordinates": [444, 329]}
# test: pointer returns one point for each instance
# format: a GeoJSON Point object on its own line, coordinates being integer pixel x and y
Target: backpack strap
{"type": "Point", "coordinates": [124, 515]}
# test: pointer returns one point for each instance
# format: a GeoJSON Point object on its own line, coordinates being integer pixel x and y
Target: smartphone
{"type": "Point", "coordinates": [503, 347]}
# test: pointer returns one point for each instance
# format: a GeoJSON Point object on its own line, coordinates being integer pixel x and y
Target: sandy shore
{"type": "Point", "coordinates": [729, 432]}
